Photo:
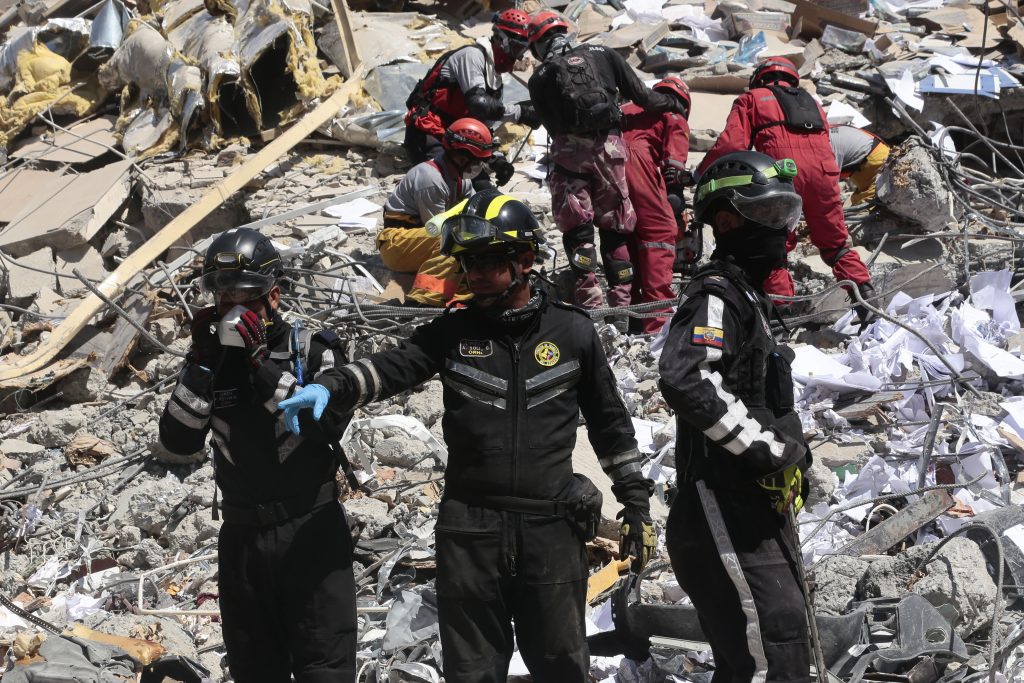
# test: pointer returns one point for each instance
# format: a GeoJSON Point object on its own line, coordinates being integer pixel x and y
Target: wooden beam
{"type": "Point", "coordinates": [346, 38]}
{"type": "Point", "coordinates": [115, 283]}
{"type": "Point", "coordinates": [879, 539]}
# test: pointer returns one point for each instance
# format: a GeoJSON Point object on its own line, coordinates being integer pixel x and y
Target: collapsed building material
{"type": "Point", "coordinates": [155, 81]}
{"type": "Point", "coordinates": [894, 529]}
{"type": "Point", "coordinates": [69, 210]}
{"type": "Point", "coordinates": [115, 283]}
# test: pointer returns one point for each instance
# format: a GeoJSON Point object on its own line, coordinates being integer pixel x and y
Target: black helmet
{"type": "Point", "coordinates": [487, 219]}
{"type": "Point", "coordinates": [243, 261]}
{"type": "Point", "coordinates": [756, 186]}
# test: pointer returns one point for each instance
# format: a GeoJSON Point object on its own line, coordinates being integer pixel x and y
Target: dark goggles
{"type": "Point", "coordinates": [236, 285]}
{"type": "Point", "coordinates": [470, 231]}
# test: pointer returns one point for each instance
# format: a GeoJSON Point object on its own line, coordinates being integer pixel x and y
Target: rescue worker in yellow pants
{"type": "Point", "coordinates": [860, 156]}
{"type": "Point", "coordinates": [405, 244]}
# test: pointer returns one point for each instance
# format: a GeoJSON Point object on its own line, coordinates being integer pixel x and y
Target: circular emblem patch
{"type": "Point", "coordinates": [546, 353]}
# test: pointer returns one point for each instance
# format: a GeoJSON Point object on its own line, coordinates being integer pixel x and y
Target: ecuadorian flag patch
{"type": "Point", "coordinates": [708, 336]}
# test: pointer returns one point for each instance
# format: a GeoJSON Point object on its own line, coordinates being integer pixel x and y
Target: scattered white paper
{"type": "Point", "coordinates": [841, 113]}
{"type": "Point", "coordinates": [1016, 535]}
{"type": "Point", "coordinates": [905, 90]}
{"type": "Point", "coordinates": [354, 214]}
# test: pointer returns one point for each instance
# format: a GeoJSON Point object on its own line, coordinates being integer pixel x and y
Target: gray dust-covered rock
{"type": "Point", "coordinates": [426, 405]}
{"type": "Point", "coordinates": [370, 514]}
{"type": "Point", "coordinates": [822, 481]}
{"type": "Point", "coordinates": [401, 451]}
{"type": "Point", "coordinates": [835, 579]}
{"type": "Point", "coordinates": [910, 186]}
{"type": "Point", "coordinates": [146, 554]}
{"type": "Point", "coordinates": [957, 575]}
{"type": "Point", "coordinates": [193, 532]}
{"type": "Point", "coordinates": [151, 504]}
{"type": "Point", "coordinates": [56, 427]}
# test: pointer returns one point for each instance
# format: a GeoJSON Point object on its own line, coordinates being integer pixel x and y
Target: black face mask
{"type": "Point", "coordinates": [756, 249]}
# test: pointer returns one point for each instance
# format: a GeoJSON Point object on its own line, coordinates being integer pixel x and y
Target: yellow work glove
{"type": "Point", "coordinates": [786, 488]}
{"type": "Point", "coordinates": [637, 537]}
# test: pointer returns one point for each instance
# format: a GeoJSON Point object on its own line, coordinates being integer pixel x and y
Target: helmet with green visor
{"type": "Point", "coordinates": [754, 185]}
{"type": "Point", "coordinates": [241, 265]}
{"type": "Point", "coordinates": [488, 221]}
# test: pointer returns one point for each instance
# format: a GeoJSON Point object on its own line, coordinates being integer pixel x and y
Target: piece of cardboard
{"type": "Point", "coordinates": [709, 110]}
{"type": "Point", "coordinates": [814, 18]}
{"type": "Point", "coordinates": [853, 8]}
{"type": "Point", "coordinates": [623, 37]}
{"type": "Point", "coordinates": [17, 188]}
{"type": "Point", "coordinates": [81, 143]}
{"type": "Point", "coordinates": [750, 22]}
{"type": "Point", "coordinates": [725, 84]}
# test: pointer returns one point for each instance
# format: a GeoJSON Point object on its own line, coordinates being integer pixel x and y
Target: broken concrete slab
{"type": "Point", "coordinates": [80, 144]}
{"type": "Point", "coordinates": [957, 575]}
{"type": "Point", "coordinates": [18, 187]}
{"type": "Point", "coordinates": [69, 211]}
{"type": "Point", "coordinates": [910, 186]}
{"type": "Point", "coordinates": [30, 274]}
{"type": "Point", "coordinates": [83, 258]}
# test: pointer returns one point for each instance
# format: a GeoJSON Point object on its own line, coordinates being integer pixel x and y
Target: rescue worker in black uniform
{"type": "Point", "coordinates": [287, 593]}
{"type": "Point", "coordinates": [518, 367]}
{"type": "Point", "coordinates": [740, 451]}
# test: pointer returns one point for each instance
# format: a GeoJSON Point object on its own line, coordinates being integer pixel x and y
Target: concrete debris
{"type": "Point", "coordinates": [121, 121]}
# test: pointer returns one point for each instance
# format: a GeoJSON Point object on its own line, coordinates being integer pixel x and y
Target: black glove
{"type": "Point", "coordinates": [254, 335]}
{"type": "Point", "coordinates": [864, 315]}
{"type": "Point", "coordinates": [205, 349]}
{"type": "Point", "coordinates": [528, 114]}
{"type": "Point", "coordinates": [503, 170]}
{"type": "Point", "coordinates": [637, 537]}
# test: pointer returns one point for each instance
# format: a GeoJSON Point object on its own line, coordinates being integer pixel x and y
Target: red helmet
{"type": "Point", "coordinates": [514, 21]}
{"type": "Point", "coordinates": [470, 136]}
{"type": "Point", "coordinates": [543, 22]}
{"type": "Point", "coordinates": [775, 69]}
{"type": "Point", "coordinates": [675, 86]}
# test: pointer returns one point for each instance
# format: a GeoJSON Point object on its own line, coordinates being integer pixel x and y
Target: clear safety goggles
{"type": "Point", "coordinates": [780, 211]}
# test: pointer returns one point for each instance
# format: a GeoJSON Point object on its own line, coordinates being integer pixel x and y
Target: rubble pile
{"type": "Point", "coordinates": [122, 123]}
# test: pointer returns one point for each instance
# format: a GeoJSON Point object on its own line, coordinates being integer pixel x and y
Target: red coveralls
{"type": "Point", "coordinates": [652, 139]}
{"type": "Point", "coordinates": [817, 180]}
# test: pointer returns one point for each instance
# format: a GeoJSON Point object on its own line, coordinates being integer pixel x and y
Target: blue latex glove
{"type": "Point", "coordinates": [313, 396]}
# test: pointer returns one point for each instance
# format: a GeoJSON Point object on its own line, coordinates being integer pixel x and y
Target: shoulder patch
{"type": "Point", "coordinates": [708, 336]}
{"type": "Point", "coordinates": [546, 353]}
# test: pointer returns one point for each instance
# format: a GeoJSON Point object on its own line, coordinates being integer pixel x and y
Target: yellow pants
{"type": "Point", "coordinates": [414, 250]}
{"type": "Point", "coordinates": [865, 176]}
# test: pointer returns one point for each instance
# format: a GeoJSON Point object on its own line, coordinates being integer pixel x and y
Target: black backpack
{"type": "Point", "coordinates": [591, 107]}
{"type": "Point", "coordinates": [799, 108]}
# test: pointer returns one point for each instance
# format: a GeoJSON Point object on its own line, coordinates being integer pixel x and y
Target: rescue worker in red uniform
{"type": "Point", "coordinates": [658, 145]}
{"type": "Point", "coordinates": [576, 91]}
{"type": "Point", "coordinates": [780, 119]}
{"type": "Point", "coordinates": [466, 83]}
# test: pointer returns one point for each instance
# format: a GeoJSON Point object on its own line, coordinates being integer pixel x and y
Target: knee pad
{"type": "Point", "coordinates": [617, 271]}
{"type": "Point", "coordinates": [579, 247]}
